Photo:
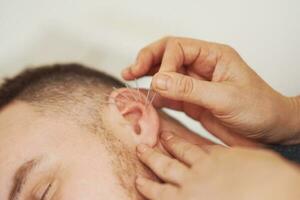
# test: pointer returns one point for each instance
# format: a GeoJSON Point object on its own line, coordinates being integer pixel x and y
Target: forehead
{"type": "Point", "coordinates": [20, 123]}
{"type": "Point", "coordinates": [25, 131]}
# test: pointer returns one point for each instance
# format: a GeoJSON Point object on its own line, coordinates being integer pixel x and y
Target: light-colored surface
{"type": "Point", "coordinates": [108, 33]}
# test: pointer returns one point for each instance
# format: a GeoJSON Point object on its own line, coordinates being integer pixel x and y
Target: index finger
{"type": "Point", "coordinates": [182, 150]}
{"type": "Point", "coordinates": [168, 169]}
{"type": "Point", "coordinates": [148, 57]}
{"type": "Point", "coordinates": [171, 53]}
{"type": "Point", "coordinates": [196, 56]}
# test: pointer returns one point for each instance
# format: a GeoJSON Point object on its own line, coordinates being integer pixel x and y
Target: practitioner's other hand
{"type": "Point", "coordinates": [170, 124]}
{"type": "Point", "coordinates": [211, 83]}
{"type": "Point", "coordinates": [215, 172]}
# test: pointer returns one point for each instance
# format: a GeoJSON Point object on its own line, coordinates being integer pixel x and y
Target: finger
{"type": "Point", "coordinates": [173, 57]}
{"type": "Point", "coordinates": [230, 138]}
{"type": "Point", "coordinates": [180, 130]}
{"type": "Point", "coordinates": [191, 110]}
{"type": "Point", "coordinates": [159, 101]}
{"type": "Point", "coordinates": [128, 75]}
{"type": "Point", "coordinates": [150, 56]}
{"type": "Point", "coordinates": [173, 53]}
{"type": "Point", "coordinates": [210, 95]}
{"type": "Point", "coordinates": [153, 190]}
{"type": "Point", "coordinates": [181, 149]}
{"type": "Point", "coordinates": [200, 56]}
{"type": "Point", "coordinates": [168, 169]}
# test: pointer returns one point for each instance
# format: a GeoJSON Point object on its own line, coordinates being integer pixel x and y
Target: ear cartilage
{"type": "Point", "coordinates": [149, 98]}
{"type": "Point", "coordinates": [126, 96]}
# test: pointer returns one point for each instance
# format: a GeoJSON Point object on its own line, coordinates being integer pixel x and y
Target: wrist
{"type": "Point", "coordinates": [293, 120]}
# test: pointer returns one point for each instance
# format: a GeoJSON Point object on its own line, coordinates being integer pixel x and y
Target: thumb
{"type": "Point", "coordinates": [210, 95]}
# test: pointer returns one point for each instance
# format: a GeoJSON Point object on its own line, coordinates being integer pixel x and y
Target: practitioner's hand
{"type": "Point", "coordinates": [211, 83]}
{"type": "Point", "coordinates": [216, 172]}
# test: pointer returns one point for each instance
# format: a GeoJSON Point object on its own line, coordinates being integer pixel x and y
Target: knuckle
{"type": "Point", "coordinates": [171, 40]}
{"type": "Point", "coordinates": [229, 49]}
{"type": "Point", "coordinates": [169, 165]}
{"type": "Point", "coordinates": [144, 51]}
{"type": "Point", "coordinates": [185, 151]}
{"type": "Point", "coordinates": [207, 148]}
{"type": "Point", "coordinates": [185, 86]}
{"type": "Point", "coordinates": [167, 37]}
{"type": "Point", "coordinates": [172, 143]}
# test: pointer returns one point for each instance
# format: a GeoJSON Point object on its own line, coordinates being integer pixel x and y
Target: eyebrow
{"type": "Point", "coordinates": [21, 177]}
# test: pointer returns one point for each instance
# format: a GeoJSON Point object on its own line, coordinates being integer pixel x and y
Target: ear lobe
{"type": "Point", "coordinates": [142, 117]}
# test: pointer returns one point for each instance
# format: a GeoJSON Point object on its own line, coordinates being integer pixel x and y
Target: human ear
{"type": "Point", "coordinates": [140, 115]}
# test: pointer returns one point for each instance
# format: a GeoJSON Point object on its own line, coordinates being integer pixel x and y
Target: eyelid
{"type": "Point", "coordinates": [40, 189]}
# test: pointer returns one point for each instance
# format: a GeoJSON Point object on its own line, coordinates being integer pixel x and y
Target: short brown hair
{"type": "Point", "coordinates": [36, 84]}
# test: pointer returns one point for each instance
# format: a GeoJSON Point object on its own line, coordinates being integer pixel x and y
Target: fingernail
{"type": "Point", "coordinates": [140, 180]}
{"type": "Point", "coordinates": [142, 148]}
{"type": "Point", "coordinates": [162, 81]}
{"type": "Point", "coordinates": [167, 135]}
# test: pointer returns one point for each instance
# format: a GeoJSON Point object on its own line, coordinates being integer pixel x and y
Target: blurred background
{"type": "Point", "coordinates": [108, 34]}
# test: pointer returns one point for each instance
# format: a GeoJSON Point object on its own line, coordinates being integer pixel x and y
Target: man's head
{"type": "Point", "coordinates": [64, 131]}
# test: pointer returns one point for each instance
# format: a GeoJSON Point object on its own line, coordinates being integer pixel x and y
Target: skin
{"type": "Point", "coordinates": [215, 172]}
{"type": "Point", "coordinates": [74, 159]}
{"type": "Point", "coordinates": [211, 83]}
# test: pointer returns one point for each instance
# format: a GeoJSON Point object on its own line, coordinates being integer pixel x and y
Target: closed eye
{"type": "Point", "coordinates": [46, 192]}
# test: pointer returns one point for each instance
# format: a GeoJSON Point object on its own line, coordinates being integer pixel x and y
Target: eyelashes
{"type": "Point", "coordinates": [46, 192]}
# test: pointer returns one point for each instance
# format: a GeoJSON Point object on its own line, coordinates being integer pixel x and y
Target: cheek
{"type": "Point", "coordinates": [90, 177]}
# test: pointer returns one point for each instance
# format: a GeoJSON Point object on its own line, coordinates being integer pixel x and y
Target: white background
{"type": "Point", "coordinates": [108, 34]}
